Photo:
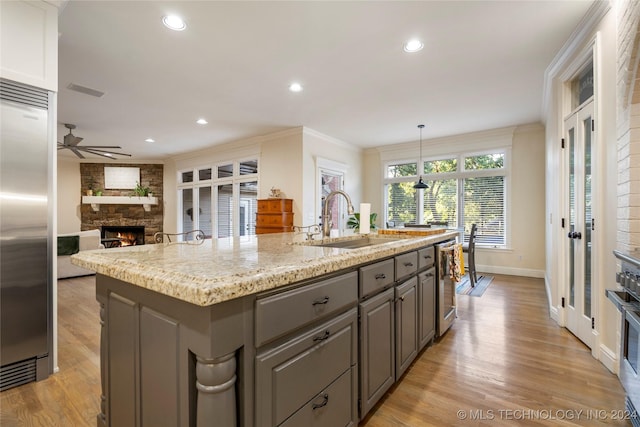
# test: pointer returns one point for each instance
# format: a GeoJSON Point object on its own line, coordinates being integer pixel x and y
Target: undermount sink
{"type": "Point", "coordinates": [356, 243]}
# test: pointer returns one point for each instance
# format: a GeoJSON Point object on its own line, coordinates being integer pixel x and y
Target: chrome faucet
{"type": "Point", "coordinates": [326, 215]}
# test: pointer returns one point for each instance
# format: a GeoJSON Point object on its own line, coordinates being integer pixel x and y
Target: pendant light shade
{"type": "Point", "coordinates": [420, 185]}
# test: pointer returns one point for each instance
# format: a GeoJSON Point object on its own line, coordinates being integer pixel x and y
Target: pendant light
{"type": "Point", "coordinates": [420, 185]}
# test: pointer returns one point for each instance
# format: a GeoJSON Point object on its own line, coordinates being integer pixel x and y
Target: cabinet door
{"type": "Point", "coordinates": [406, 325]}
{"type": "Point", "coordinates": [427, 306]}
{"type": "Point", "coordinates": [29, 34]}
{"type": "Point", "coordinates": [377, 357]}
{"type": "Point", "coordinates": [295, 373]}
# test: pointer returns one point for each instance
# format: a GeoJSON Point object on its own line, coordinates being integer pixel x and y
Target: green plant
{"type": "Point", "coordinates": [354, 221]}
{"type": "Point", "coordinates": [140, 191]}
{"type": "Point", "coordinates": [97, 192]}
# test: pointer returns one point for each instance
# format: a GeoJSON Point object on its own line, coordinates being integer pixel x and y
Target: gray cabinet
{"type": "Point", "coordinates": [297, 378]}
{"type": "Point", "coordinates": [377, 348]}
{"type": "Point", "coordinates": [376, 277]}
{"type": "Point", "coordinates": [406, 265]}
{"type": "Point", "coordinates": [406, 324]}
{"type": "Point", "coordinates": [284, 312]}
{"type": "Point", "coordinates": [426, 306]}
{"type": "Point", "coordinates": [426, 257]}
{"type": "Point", "coordinates": [307, 358]}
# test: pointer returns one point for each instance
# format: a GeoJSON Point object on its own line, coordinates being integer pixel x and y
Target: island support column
{"type": "Point", "coordinates": [215, 381]}
{"type": "Point", "coordinates": [166, 362]}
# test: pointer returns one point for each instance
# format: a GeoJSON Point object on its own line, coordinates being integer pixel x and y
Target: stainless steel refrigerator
{"type": "Point", "coordinates": [26, 164]}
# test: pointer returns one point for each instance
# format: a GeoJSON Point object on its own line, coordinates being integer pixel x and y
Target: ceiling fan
{"type": "Point", "coordinates": [71, 142]}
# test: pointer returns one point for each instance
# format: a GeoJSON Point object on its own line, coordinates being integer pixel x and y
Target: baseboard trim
{"type": "Point", "coordinates": [511, 271]}
{"type": "Point", "coordinates": [609, 359]}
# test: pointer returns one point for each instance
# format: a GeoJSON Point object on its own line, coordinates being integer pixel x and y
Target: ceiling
{"type": "Point", "coordinates": [482, 67]}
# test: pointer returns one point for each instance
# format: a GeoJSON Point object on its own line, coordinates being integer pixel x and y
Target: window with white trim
{"type": "Point", "coordinates": [463, 189]}
{"type": "Point", "coordinates": [221, 200]}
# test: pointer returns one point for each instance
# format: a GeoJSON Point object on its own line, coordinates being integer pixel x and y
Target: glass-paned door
{"type": "Point", "coordinates": [224, 217]}
{"type": "Point", "coordinates": [204, 211]}
{"type": "Point", "coordinates": [248, 207]}
{"type": "Point", "coordinates": [187, 212]}
{"type": "Point", "coordinates": [578, 180]}
{"type": "Point", "coordinates": [332, 181]}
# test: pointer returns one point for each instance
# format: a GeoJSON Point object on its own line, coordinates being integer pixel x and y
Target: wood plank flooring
{"type": "Point", "coordinates": [504, 362]}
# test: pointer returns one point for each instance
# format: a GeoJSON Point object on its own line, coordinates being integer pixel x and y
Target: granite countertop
{"type": "Point", "coordinates": [223, 269]}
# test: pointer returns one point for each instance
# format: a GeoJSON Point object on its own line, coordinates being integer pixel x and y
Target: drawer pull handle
{"type": "Point", "coordinates": [408, 264]}
{"type": "Point", "coordinates": [429, 275]}
{"type": "Point", "coordinates": [325, 400]}
{"type": "Point", "coordinates": [427, 257]}
{"type": "Point", "coordinates": [402, 298]}
{"type": "Point", "coordinates": [321, 301]}
{"type": "Point", "coordinates": [323, 337]}
{"type": "Point", "coordinates": [380, 276]}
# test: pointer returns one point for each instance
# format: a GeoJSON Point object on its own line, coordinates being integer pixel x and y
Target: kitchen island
{"type": "Point", "coordinates": [219, 333]}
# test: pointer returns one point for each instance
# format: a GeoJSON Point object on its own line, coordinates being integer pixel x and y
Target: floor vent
{"type": "Point", "coordinates": [17, 374]}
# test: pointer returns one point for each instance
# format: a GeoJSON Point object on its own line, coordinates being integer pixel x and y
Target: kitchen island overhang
{"type": "Point", "coordinates": [177, 338]}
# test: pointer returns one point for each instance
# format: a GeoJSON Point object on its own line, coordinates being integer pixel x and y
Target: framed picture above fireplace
{"type": "Point", "coordinates": [125, 178]}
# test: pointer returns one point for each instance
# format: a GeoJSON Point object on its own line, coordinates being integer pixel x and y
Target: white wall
{"type": "Point", "coordinates": [69, 196]}
{"type": "Point", "coordinates": [279, 166]}
{"type": "Point", "coordinates": [323, 149]}
{"type": "Point", "coordinates": [287, 161]}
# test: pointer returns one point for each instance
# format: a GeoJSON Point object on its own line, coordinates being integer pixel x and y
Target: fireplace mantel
{"type": "Point", "coordinates": [96, 201]}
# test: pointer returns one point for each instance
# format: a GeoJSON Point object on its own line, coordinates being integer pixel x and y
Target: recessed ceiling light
{"type": "Point", "coordinates": [149, 140]}
{"type": "Point", "coordinates": [108, 154]}
{"type": "Point", "coordinates": [202, 121]}
{"type": "Point", "coordinates": [295, 87]}
{"type": "Point", "coordinates": [413, 45]}
{"type": "Point", "coordinates": [174, 22]}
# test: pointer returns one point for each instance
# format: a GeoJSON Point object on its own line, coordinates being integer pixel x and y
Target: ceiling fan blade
{"type": "Point", "coordinates": [107, 154]}
{"type": "Point", "coordinates": [95, 150]}
{"type": "Point", "coordinates": [76, 152]}
{"type": "Point", "coordinates": [102, 146]}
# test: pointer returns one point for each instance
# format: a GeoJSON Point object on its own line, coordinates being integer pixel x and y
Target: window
{"type": "Point", "coordinates": [220, 200]}
{"type": "Point", "coordinates": [463, 190]}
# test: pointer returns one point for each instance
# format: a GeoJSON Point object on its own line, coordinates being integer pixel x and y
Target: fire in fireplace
{"type": "Point", "coordinates": [118, 235]}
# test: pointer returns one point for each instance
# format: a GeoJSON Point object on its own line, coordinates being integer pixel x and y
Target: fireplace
{"type": "Point", "coordinates": [115, 236]}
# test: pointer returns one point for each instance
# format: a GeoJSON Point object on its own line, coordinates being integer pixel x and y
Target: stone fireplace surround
{"type": "Point", "coordinates": [151, 175]}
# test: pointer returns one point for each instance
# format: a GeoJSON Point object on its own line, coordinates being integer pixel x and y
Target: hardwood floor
{"type": "Point", "coordinates": [70, 397]}
{"type": "Point", "coordinates": [504, 362]}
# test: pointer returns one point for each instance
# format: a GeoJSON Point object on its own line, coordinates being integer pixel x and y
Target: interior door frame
{"type": "Point", "coordinates": [591, 52]}
{"type": "Point", "coordinates": [336, 169]}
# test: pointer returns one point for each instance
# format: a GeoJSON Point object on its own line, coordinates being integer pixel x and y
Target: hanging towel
{"type": "Point", "coordinates": [454, 263]}
{"type": "Point", "coordinates": [461, 259]}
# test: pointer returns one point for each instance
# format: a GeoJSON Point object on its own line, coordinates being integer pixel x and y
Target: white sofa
{"type": "Point", "coordinates": [89, 239]}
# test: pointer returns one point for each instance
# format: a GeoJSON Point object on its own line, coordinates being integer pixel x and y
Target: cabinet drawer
{"type": "Point", "coordinates": [376, 277]}
{"type": "Point", "coordinates": [290, 376]}
{"type": "Point", "coordinates": [282, 313]}
{"type": "Point", "coordinates": [426, 257]}
{"type": "Point", "coordinates": [275, 205]}
{"type": "Point", "coordinates": [274, 219]}
{"type": "Point", "coordinates": [406, 265]}
{"type": "Point", "coordinates": [331, 407]}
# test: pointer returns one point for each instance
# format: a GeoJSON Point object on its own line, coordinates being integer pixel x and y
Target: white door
{"type": "Point", "coordinates": [579, 146]}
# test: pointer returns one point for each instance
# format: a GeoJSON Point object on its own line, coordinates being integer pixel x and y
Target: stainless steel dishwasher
{"type": "Point", "coordinates": [446, 286]}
